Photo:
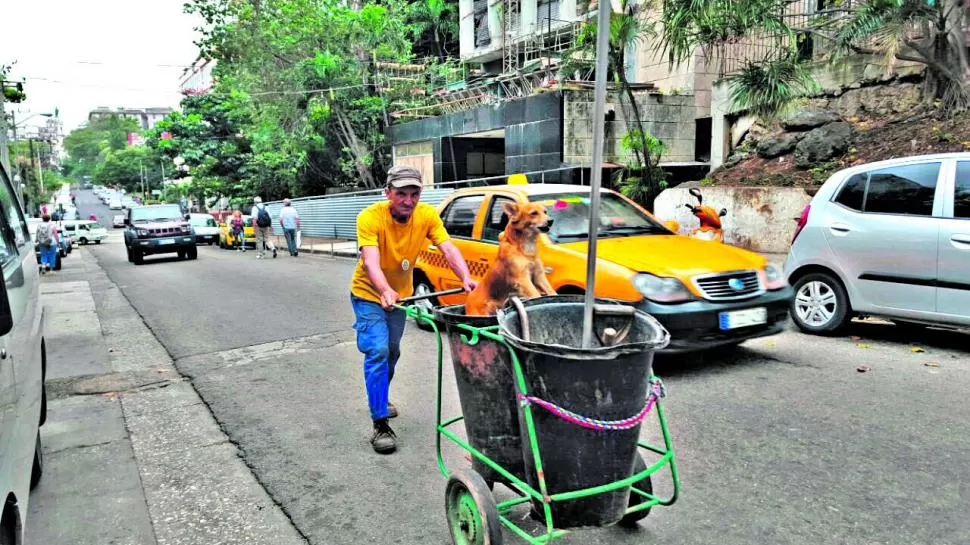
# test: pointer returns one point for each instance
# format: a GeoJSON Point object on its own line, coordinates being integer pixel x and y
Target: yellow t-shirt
{"type": "Point", "coordinates": [395, 242]}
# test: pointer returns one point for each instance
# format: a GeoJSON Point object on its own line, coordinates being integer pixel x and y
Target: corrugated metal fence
{"type": "Point", "coordinates": [335, 216]}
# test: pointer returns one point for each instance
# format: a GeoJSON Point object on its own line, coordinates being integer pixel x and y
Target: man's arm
{"type": "Point", "coordinates": [457, 264]}
{"type": "Point", "coordinates": [372, 266]}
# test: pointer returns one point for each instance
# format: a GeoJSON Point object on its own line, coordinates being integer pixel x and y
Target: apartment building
{"type": "Point", "coordinates": [518, 112]}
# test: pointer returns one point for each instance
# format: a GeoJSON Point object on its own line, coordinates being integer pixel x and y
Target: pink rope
{"type": "Point", "coordinates": [592, 423]}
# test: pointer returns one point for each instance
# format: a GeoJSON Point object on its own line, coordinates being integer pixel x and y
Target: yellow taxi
{"type": "Point", "coordinates": [227, 241]}
{"type": "Point", "coordinates": [705, 293]}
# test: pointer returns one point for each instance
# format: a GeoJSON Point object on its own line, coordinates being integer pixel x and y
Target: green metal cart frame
{"type": "Point", "coordinates": [471, 508]}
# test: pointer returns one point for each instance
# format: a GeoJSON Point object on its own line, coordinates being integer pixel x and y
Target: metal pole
{"type": "Point", "coordinates": [599, 122]}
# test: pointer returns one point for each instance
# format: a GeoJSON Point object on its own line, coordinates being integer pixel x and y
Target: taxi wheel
{"type": "Point", "coordinates": [423, 287]}
{"type": "Point", "coordinates": [97, 242]}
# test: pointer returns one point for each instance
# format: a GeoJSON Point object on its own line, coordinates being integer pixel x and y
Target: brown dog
{"type": "Point", "coordinates": [518, 269]}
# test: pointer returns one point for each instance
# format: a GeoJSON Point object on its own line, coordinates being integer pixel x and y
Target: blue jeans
{"type": "Point", "coordinates": [48, 255]}
{"type": "Point", "coordinates": [379, 334]}
{"type": "Point", "coordinates": [290, 235]}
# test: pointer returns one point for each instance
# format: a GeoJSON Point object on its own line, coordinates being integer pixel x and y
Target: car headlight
{"type": "Point", "coordinates": [142, 232]}
{"type": "Point", "coordinates": [773, 277]}
{"type": "Point", "coordinates": [661, 289]}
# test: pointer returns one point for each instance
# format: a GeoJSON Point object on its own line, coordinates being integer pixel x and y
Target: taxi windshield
{"type": "Point", "coordinates": [569, 214]}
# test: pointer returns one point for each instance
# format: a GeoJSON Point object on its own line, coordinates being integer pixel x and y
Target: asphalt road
{"type": "Point", "coordinates": [780, 441]}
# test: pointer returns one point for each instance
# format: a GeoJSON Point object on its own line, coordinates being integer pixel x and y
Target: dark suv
{"type": "Point", "coordinates": [158, 229]}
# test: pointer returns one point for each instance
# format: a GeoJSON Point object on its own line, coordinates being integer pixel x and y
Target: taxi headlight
{"type": "Point", "coordinates": [773, 277]}
{"type": "Point", "coordinates": [661, 289]}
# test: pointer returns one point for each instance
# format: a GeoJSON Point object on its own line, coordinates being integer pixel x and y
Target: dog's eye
{"type": "Point", "coordinates": [534, 213]}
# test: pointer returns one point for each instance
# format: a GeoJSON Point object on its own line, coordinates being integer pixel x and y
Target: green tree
{"type": "Point", "coordinates": [133, 168]}
{"type": "Point", "coordinates": [88, 146]}
{"type": "Point", "coordinates": [307, 71]}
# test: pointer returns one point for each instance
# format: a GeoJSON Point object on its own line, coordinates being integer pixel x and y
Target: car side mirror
{"type": "Point", "coordinates": [127, 221]}
{"type": "Point", "coordinates": [723, 212]}
{"type": "Point", "coordinates": [187, 217]}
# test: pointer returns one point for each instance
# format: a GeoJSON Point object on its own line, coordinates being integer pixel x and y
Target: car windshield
{"type": "Point", "coordinates": [203, 221]}
{"type": "Point", "coordinates": [156, 213]}
{"type": "Point", "coordinates": [569, 214]}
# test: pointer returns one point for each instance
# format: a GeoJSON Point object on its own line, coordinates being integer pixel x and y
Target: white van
{"type": "Point", "coordinates": [23, 361]}
{"type": "Point", "coordinates": [85, 231]}
{"type": "Point", "coordinates": [114, 203]}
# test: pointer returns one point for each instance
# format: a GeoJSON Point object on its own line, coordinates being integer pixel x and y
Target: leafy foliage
{"type": "Point", "coordinates": [298, 84]}
{"type": "Point", "coordinates": [766, 89]}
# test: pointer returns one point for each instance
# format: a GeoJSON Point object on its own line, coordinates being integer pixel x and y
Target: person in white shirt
{"type": "Point", "coordinates": [290, 222]}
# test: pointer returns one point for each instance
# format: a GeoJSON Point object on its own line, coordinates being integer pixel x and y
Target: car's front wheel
{"type": "Point", "coordinates": [83, 241]}
{"type": "Point", "coordinates": [422, 286]}
{"type": "Point", "coordinates": [192, 253]}
{"type": "Point", "coordinates": [821, 305]}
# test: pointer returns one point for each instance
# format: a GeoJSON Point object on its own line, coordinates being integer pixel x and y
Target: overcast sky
{"type": "Point", "coordinates": [76, 55]}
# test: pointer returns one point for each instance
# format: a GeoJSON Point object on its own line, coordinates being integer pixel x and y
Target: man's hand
{"type": "Point", "coordinates": [388, 298]}
{"type": "Point", "coordinates": [469, 285]}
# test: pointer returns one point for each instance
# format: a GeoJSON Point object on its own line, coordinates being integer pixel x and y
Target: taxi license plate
{"type": "Point", "coordinates": [166, 241]}
{"type": "Point", "coordinates": [743, 318]}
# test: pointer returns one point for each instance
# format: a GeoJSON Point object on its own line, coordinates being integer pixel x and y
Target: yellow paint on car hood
{"type": "Point", "coordinates": [672, 255]}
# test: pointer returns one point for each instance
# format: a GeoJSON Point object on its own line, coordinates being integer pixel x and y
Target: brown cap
{"type": "Point", "coordinates": [403, 176]}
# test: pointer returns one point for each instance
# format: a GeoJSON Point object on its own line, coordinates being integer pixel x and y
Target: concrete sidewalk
{"type": "Point", "coordinates": [132, 454]}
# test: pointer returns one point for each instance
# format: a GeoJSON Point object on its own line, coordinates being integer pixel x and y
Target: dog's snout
{"type": "Point", "coordinates": [544, 228]}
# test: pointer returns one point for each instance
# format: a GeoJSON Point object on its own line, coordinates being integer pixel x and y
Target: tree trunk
{"type": "Point", "coordinates": [357, 150]}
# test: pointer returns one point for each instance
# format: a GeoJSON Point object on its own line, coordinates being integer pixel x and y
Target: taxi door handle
{"type": "Point", "coordinates": [961, 238]}
{"type": "Point", "coordinates": [485, 259]}
{"type": "Point", "coordinates": [840, 227]}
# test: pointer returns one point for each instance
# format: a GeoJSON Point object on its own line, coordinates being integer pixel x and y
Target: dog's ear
{"type": "Point", "coordinates": [511, 208]}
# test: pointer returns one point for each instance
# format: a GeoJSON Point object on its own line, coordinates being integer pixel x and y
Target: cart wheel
{"type": "Point", "coordinates": [644, 484]}
{"type": "Point", "coordinates": [470, 507]}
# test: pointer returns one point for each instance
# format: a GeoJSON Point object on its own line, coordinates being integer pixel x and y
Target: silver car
{"type": "Point", "coordinates": [888, 239]}
{"type": "Point", "coordinates": [23, 404]}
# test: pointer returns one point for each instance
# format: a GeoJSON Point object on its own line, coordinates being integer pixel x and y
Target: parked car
{"type": "Point", "coordinates": [227, 241]}
{"type": "Point", "coordinates": [32, 224]}
{"type": "Point", "coordinates": [205, 228]}
{"type": "Point", "coordinates": [118, 220]}
{"type": "Point", "coordinates": [23, 401]}
{"type": "Point", "coordinates": [705, 293]}
{"type": "Point", "coordinates": [158, 229]}
{"type": "Point", "coordinates": [85, 231]}
{"type": "Point", "coordinates": [888, 239]}
{"type": "Point", "coordinates": [114, 203]}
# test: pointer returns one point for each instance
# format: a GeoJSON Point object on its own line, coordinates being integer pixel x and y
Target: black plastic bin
{"type": "Point", "coordinates": [603, 383]}
{"type": "Point", "coordinates": [486, 389]}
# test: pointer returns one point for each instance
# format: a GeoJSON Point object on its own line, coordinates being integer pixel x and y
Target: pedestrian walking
{"type": "Point", "coordinates": [238, 226]}
{"type": "Point", "coordinates": [46, 239]}
{"type": "Point", "coordinates": [290, 222]}
{"type": "Point", "coordinates": [390, 235]}
{"type": "Point", "coordinates": [92, 217]}
{"type": "Point", "coordinates": [263, 225]}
